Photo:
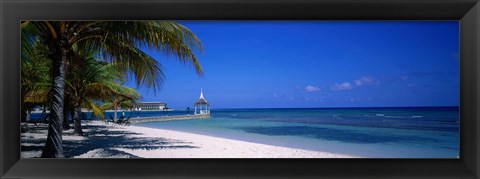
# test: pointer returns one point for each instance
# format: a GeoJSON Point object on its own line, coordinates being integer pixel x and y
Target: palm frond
{"type": "Point", "coordinates": [122, 41]}
{"type": "Point", "coordinates": [107, 105]}
{"type": "Point", "coordinates": [96, 110]}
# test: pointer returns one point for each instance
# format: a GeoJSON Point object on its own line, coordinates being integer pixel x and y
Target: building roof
{"type": "Point", "coordinates": [151, 103]}
{"type": "Point", "coordinates": [201, 100]}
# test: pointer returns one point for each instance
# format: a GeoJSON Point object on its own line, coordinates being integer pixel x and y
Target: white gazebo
{"type": "Point", "coordinates": [202, 104]}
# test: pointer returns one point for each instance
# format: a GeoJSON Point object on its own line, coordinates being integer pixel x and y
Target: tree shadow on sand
{"type": "Point", "coordinates": [102, 137]}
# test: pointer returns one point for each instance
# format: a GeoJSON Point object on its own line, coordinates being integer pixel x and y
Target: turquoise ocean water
{"type": "Point", "coordinates": [426, 132]}
{"type": "Point", "coordinates": [420, 132]}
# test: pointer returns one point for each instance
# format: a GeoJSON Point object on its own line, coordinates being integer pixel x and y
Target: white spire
{"type": "Point", "coordinates": [201, 94]}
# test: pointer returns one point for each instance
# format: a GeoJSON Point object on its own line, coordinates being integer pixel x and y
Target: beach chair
{"type": "Point", "coordinates": [126, 122]}
{"type": "Point", "coordinates": [120, 120]}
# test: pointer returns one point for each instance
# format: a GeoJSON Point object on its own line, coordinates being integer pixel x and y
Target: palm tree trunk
{"type": "Point", "coordinates": [53, 146]}
{"type": "Point", "coordinates": [28, 115]}
{"type": "Point", "coordinates": [114, 113]}
{"type": "Point", "coordinates": [77, 128]}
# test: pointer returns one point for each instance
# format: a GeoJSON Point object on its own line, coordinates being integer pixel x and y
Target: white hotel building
{"type": "Point", "coordinates": [146, 106]}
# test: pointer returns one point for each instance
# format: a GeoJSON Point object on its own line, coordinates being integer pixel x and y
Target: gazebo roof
{"type": "Point", "coordinates": [201, 100]}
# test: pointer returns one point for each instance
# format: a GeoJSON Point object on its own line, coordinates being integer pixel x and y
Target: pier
{"type": "Point", "coordinates": [201, 104]}
{"type": "Point", "coordinates": [169, 118]}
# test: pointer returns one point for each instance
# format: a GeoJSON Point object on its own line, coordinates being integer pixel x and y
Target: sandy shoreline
{"type": "Point", "coordinates": [107, 141]}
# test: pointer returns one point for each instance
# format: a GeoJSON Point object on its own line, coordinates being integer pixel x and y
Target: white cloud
{"type": "Point", "coordinates": [362, 81]}
{"type": "Point", "coordinates": [365, 80]}
{"type": "Point", "coordinates": [310, 88]}
{"type": "Point", "coordinates": [341, 86]}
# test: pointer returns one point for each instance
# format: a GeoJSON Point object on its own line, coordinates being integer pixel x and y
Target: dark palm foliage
{"type": "Point", "coordinates": [93, 81]}
{"type": "Point", "coordinates": [121, 97]}
{"type": "Point", "coordinates": [87, 81]}
{"type": "Point", "coordinates": [121, 41]}
{"type": "Point", "coordinates": [35, 78]}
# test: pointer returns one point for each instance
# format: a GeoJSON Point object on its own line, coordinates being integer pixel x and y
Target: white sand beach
{"type": "Point", "coordinates": [107, 141]}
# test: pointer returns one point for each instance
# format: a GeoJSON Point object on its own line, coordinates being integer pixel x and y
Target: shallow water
{"type": "Point", "coordinates": [368, 132]}
{"type": "Point", "coordinates": [423, 132]}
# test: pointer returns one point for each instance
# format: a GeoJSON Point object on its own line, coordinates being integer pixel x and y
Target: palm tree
{"type": "Point", "coordinates": [117, 41]}
{"type": "Point", "coordinates": [35, 68]}
{"type": "Point", "coordinates": [94, 81]}
{"type": "Point", "coordinates": [121, 97]}
{"type": "Point", "coordinates": [85, 83]}
{"type": "Point", "coordinates": [34, 78]}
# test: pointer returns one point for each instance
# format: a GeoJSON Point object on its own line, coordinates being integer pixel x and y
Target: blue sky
{"type": "Point", "coordinates": [256, 64]}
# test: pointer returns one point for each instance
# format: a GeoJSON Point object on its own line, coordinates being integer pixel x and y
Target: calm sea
{"type": "Point", "coordinates": [411, 132]}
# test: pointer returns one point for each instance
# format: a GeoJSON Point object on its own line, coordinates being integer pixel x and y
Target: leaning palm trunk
{"type": "Point", "coordinates": [114, 113]}
{"type": "Point", "coordinates": [77, 129]}
{"type": "Point", "coordinates": [53, 147]}
{"type": "Point", "coordinates": [28, 115]}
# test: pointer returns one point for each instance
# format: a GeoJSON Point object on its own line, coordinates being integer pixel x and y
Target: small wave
{"type": "Point", "coordinates": [394, 116]}
{"type": "Point", "coordinates": [416, 116]}
{"type": "Point", "coordinates": [379, 114]}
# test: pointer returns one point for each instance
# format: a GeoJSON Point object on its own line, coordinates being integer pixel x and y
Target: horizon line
{"type": "Point", "coordinates": [331, 107]}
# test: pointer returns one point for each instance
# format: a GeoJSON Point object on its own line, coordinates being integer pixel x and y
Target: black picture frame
{"type": "Point", "coordinates": [13, 11]}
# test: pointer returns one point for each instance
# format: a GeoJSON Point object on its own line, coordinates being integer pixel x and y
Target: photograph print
{"type": "Point", "coordinates": [240, 89]}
